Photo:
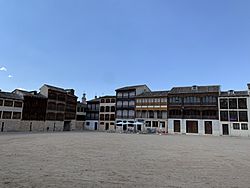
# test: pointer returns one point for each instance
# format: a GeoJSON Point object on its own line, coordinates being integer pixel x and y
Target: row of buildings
{"type": "Point", "coordinates": [200, 110]}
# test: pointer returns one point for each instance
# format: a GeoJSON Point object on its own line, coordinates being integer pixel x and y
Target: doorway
{"type": "Point", "coordinates": [107, 126]}
{"type": "Point", "coordinates": [66, 126]}
{"type": "Point", "coordinates": [225, 130]}
{"type": "Point", "coordinates": [208, 127]}
{"type": "Point", "coordinates": [96, 126]}
{"type": "Point", "coordinates": [30, 126]}
{"type": "Point", "coordinates": [138, 127]}
{"type": "Point", "coordinates": [124, 127]}
{"type": "Point", "coordinates": [2, 127]}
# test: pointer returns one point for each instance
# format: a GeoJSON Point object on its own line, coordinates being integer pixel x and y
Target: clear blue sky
{"type": "Point", "coordinates": [97, 46]}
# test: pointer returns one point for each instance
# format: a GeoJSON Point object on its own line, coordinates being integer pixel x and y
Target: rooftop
{"type": "Point", "coordinates": [153, 94]}
{"type": "Point", "coordinates": [131, 87]}
{"type": "Point", "coordinates": [8, 95]}
{"type": "Point", "coordinates": [195, 89]}
{"type": "Point", "coordinates": [232, 93]}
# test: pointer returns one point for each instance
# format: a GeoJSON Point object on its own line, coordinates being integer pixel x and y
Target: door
{"type": "Point", "coordinates": [177, 126]}
{"type": "Point", "coordinates": [2, 127]}
{"type": "Point", "coordinates": [191, 126]}
{"type": "Point", "coordinates": [208, 127]}
{"type": "Point", "coordinates": [138, 127]}
{"type": "Point", "coordinates": [96, 126]}
{"type": "Point", "coordinates": [30, 126]}
{"type": "Point", "coordinates": [107, 126]}
{"type": "Point", "coordinates": [124, 127]}
{"type": "Point", "coordinates": [66, 126]}
{"type": "Point", "coordinates": [225, 130]}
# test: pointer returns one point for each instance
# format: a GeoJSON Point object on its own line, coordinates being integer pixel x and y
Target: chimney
{"type": "Point", "coordinates": [84, 99]}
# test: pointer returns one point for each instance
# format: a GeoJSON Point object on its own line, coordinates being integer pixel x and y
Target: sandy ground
{"type": "Point", "coordinates": [118, 160]}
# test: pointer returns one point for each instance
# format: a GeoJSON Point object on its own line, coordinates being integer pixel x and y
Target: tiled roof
{"type": "Point", "coordinates": [8, 95]}
{"type": "Point", "coordinates": [153, 94]}
{"type": "Point", "coordinates": [131, 87]}
{"type": "Point", "coordinates": [232, 93]}
{"type": "Point", "coordinates": [107, 96]}
{"type": "Point", "coordinates": [195, 89]}
{"type": "Point", "coordinates": [94, 100]}
{"type": "Point", "coordinates": [28, 93]}
{"type": "Point", "coordinates": [55, 88]}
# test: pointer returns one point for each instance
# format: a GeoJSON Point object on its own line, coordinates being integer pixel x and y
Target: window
{"type": "Point", "coordinates": [59, 116]}
{"type": "Point", "coordinates": [101, 123]}
{"type": "Point", "coordinates": [7, 115]}
{"type": "Point", "coordinates": [244, 126]}
{"type": "Point", "coordinates": [162, 124]}
{"type": "Point", "coordinates": [119, 95]}
{"type": "Point", "coordinates": [102, 117]}
{"type": "Point", "coordinates": [52, 95]}
{"type": "Point", "coordinates": [61, 97]}
{"type": "Point", "coordinates": [159, 114]}
{"type": "Point", "coordinates": [148, 123]}
{"type": "Point", "coordinates": [51, 116]}
{"type": "Point", "coordinates": [243, 116]}
{"type": "Point", "coordinates": [177, 126]}
{"type": "Point", "coordinates": [1, 102]}
{"type": "Point", "coordinates": [175, 100]}
{"type": "Point", "coordinates": [18, 104]}
{"type": "Point", "coordinates": [155, 123]}
{"type": "Point", "coordinates": [112, 109]}
{"type": "Point", "coordinates": [88, 123]}
{"type": "Point", "coordinates": [107, 100]}
{"type": "Point", "coordinates": [16, 115]}
{"type": "Point", "coordinates": [112, 100]}
{"type": "Point", "coordinates": [125, 103]}
{"type": "Point", "coordinates": [8, 103]}
{"type": "Point", "coordinates": [125, 113]}
{"type": "Point", "coordinates": [119, 112]}
{"type": "Point", "coordinates": [223, 103]}
{"type": "Point", "coordinates": [0, 114]}
{"type": "Point", "coordinates": [151, 114]}
{"type": "Point", "coordinates": [132, 94]}
{"type": "Point", "coordinates": [102, 101]}
{"type": "Point", "coordinates": [236, 126]}
{"type": "Point", "coordinates": [107, 108]}
{"type": "Point", "coordinates": [119, 103]}
{"type": "Point", "coordinates": [224, 116]}
{"type": "Point", "coordinates": [102, 109]}
{"type": "Point", "coordinates": [125, 95]}
{"type": "Point", "coordinates": [61, 107]}
{"type": "Point", "coordinates": [106, 117]}
{"type": "Point", "coordinates": [192, 126]}
{"type": "Point", "coordinates": [112, 117]}
{"type": "Point", "coordinates": [233, 116]}
{"type": "Point", "coordinates": [242, 103]}
{"type": "Point", "coordinates": [52, 106]}
{"type": "Point", "coordinates": [131, 113]}
{"type": "Point", "coordinates": [232, 103]}
{"type": "Point", "coordinates": [131, 103]}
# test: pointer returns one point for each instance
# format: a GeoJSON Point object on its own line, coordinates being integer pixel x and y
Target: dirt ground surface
{"type": "Point", "coordinates": [109, 160]}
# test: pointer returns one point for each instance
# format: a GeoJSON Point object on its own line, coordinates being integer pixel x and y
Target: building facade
{"type": "Point", "coordinates": [34, 110]}
{"type": "Point", "coordinates": [92, 114]}
{"type": "Point", "coordinates": [61, 108]}
{"type": "Point", "coordinates": [107, 113]}
{"type": "Point", "coordinates": [151, 109]}
{"type": "Point", "coordinates": [234, 113]}
{"type": "Point", "coordinates": [11, 106]}
{"type": "Point", "coordinates": [194, 110]}
{"type": "Point", "coordinates": [125, 106]}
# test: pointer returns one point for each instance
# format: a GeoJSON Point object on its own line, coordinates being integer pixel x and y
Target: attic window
{"type": "Point", "coordinates": [194, 88]}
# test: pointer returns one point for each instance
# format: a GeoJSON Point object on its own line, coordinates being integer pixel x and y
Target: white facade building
{"type": "Point", "coordinates": [234, 113]}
